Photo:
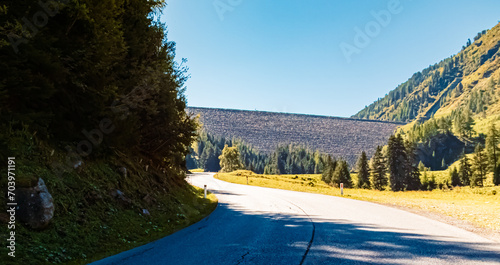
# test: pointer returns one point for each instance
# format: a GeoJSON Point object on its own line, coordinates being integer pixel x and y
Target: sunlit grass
{"type": "Point", "coordinates": [479, 206]}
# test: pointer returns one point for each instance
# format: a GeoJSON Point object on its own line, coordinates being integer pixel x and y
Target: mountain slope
{"type": "Point", "coordinates": [466, 80]}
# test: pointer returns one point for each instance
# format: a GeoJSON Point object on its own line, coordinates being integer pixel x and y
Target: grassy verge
{"type": "Point", "coordinates": [90, 222]}
{"type": "Point", "coordinates": [478, 206]}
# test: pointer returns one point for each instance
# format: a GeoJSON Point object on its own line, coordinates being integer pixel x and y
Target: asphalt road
{"type": "Point", "coordinates": [254, 225]}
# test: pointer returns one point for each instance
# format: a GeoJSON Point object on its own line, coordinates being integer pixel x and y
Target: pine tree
{"type": "Point", "coordinates": [479, 166]}
{"type": "Point", "coordinates": [468, 123]}
{"type": "Point", "coordinates": [318, 163]}
{"type": "Point", "coordinates": [379, 170]}
{"type": "Point", "coordinates": [425, 180]}
{"type": "Point", "coordinates": [363, 172]}
{"type": "Point", "coordinates": [329, 167]}
{"type": "Point", "coordinates": [496, 176]}
{"type": "Point", "coordinates": [412, 181]}
{"type": "Point", "coordinates": [492, 147]}
{"type": "Point", "coordinates": [455, 177]}
{"type": "Point", "coordinates": [464, 171]}
{"type": "Point", "coordinates": [342, 175]}
{"type": "Point", "coordinates": [421, 166]}
{"type": "Point", "coordinates": [432, 183]}
{"type": "Point", "coordinates": [396, 161]}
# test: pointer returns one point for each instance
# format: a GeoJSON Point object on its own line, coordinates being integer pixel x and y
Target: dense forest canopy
{"type": "Point", "coordinates": [97, 70]}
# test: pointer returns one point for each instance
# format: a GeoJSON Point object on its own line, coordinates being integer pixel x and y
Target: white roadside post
{"type": "Point", "coordinates": [205, 191]}
{"type": "Point", "coordinates": [341, 189]}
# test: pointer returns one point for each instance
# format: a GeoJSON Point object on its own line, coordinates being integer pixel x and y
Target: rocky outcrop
{"type": "Point", "coordinates": [441, 147]}
{"type": "Point", "coordinates": [35, 205]}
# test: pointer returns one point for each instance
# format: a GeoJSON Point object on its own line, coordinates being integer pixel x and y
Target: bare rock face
{"type": "Point", "coordinates": [35, 205]}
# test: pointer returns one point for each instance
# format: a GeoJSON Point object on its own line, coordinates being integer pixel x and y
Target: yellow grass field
{"type": "Point", "coordinates": [478, 206]}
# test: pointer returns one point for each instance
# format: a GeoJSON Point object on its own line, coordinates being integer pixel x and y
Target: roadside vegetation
{"type": "Point", "coordinates": [92, 107]}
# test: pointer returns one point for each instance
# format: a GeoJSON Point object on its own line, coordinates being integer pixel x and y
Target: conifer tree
{"type": "Point", "coordinates": [412, 181]}
{"type": "Point", "coordinates": [363, 172]}
{"type": "Point", "coordinates": [425, 180]}
{"type": "Point", "coordinates": [342, 175]}
{"type": "Point", "coordinates": [492, 147]}
{"type": "Point", "coordinates": [455, 178]}
{"type": "Point", "coordinates": [396, 161]}
{"type": "Point", "coordinates": [318, 163]}
{"type": "Point", "coordinates": [432, 182]}
{"type": "Point", "coordinates": [496, 176]}
{"type": "Point", "coordinates": [468, 123]}
{"type": "Point", "coordinates": [479, 167]}
{"type": "Point", "coordinates": [464, 171]}
{"type": "Point", "coordinates": [379, 170]}
{"type": "Point", "coordinates": [329, 167]}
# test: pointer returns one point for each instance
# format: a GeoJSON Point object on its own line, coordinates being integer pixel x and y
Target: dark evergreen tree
{"type": "Point", "coordinates": [330, 165]}
{"type": "Point", "coordinates": [496, 176]}
{"type": "Point", "coordinates": [465, 170]}
{"type": "Point", "coordinates": [412, 181]}
{"type": "Point", "coordinates": [379, 170]}
{"type": "Point", "coordinates": [342, 175]}
{"type": "Point", "coordinates": [455, 178]}
{"type": "Point", "coordinates": [492, 147]}
{"type": "Point", "coordinates": [432, 182]}
{"type": "Point", "coordinates": [396, 161]}
{"type": "Point", "coordinates": [479, 167]}
{"type": "Point", "coordinates": [363, 172]}
{"type": "Point", "coordinates": [425, 180]}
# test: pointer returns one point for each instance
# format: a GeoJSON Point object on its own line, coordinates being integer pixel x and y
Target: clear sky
{"type": "Point", "coordinates": [302, 57]}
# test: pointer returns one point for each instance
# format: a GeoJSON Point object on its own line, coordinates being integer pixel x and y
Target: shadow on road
{"type": "Point", "coordinates": [237, 235]}
{"type": "Point", "coordinates": [337, 241]}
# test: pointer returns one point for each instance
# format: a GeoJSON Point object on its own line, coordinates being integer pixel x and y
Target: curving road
{"type": "Point", "coordinates": [254, 225]}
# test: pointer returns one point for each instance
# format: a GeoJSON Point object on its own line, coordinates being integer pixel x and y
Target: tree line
{"type": "Point", "coordinates": [395, 166]}
{"type": "Point", "coordinates": [286, 159]}
{"type": "Point", "coordinates": [398, 167]}
{"type": "Point", "coordinates": [473, 172]}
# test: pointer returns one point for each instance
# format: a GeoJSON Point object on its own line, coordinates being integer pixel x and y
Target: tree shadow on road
{"type": "Point", "coordinates": [338, 241]}
{"type": "Point", "coordinates": [341, 242]}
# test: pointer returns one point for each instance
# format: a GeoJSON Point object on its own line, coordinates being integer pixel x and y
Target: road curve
{"type": "Point", "coordinates": [254, 225]}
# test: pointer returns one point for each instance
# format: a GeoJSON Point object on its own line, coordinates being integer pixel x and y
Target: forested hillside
{"type": "Point", "coordinates": [453, 108]}
{"type": "Point", "coordinates": [94, 127]}
{"type": "Point", "coordinates": [466, 81]}
{"type": "Point", "coordinates": [265, 131]}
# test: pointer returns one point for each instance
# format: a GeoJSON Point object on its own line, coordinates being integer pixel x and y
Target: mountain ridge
{"type": "Point", "coordinates": [465, 79]}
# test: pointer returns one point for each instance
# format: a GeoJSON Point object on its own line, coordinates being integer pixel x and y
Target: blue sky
{"type": "Point", "coordinates": [287, 56]}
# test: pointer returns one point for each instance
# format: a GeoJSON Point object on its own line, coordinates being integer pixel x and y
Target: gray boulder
{"type": "Point", "coordinates": [35, 206]}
